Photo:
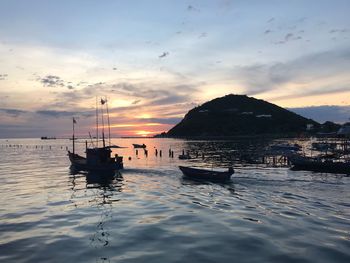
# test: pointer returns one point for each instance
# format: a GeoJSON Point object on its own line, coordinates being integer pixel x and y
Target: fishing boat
{"type": "Point", "coordinates": [139, 145]}
{"type": "Point", "coordinates": [319, 164]}
{"type": "Point", "coordinates": [206, 174]}
{"type": "Point", "coordinates": [184, 156]}
{"type": "Point", "coordinates": [97, 158]}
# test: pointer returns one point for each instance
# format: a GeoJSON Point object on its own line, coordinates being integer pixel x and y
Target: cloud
{"type": "Point", "coordinates": [13, 112]}
{"type": "Point", "coordinates": [336, 30]}
{"type": "Point", "coordinates": [58, 114]}
{"type": "Point", "coordinates": [309, 70]}
{"type": "Point", "coordinates": [161, 120]}
{"type": "Point", "coordinates": [288, 37]}
{"type": "Point", "coordinates": [340, 114]}
{"type": "Point", "coordinates": [135, 102]}
{"type": "Point", "coordinates": [202, 35]}
{"type": "Point", "coordinates": [3, 76]}
{"type": "Point", "coordinates": [192, 8]}
{"type": "Point", "coordinates": [53, 81]}
{"type": "Point", "coordinates": [164, 55]}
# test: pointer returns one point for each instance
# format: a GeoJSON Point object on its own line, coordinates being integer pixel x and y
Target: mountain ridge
{"type": "Point", "coordinates": [234, 115]}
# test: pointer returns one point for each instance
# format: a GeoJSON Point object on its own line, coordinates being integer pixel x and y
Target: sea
{"type": "Point", "coordinates": [149, 212]}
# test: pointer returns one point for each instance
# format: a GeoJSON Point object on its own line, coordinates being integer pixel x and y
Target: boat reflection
{"type": "Point", "coordinates": [101, 191]}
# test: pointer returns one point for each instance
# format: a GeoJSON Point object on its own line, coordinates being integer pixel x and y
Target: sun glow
{"type": "Point", "coordinates": [145, 133]}
{"type": "Point", "coordinates": [144, 116]}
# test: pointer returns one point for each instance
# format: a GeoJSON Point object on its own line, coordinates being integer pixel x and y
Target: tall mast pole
{"type": "Point", "coordinates": [96, 123]}
{"type": "Point", "coordinates": [109, 126]}
{"type": "Point", "coordinates": [73, 136]}
{"type": "Point", "coordinates": [103, 125]}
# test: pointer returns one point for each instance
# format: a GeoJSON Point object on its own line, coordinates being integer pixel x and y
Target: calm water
{"type": "Point", "coordinates": [151, 214]}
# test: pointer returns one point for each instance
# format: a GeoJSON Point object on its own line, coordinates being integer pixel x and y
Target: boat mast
{"type": "Point", "coordinates": [103, 125]}
{"type": "Point", "coordinates": [109, 126]}
{"type": "Point", "coordinates": [96, 123]}
{"type": "Point", "coordinates": [73, 136]}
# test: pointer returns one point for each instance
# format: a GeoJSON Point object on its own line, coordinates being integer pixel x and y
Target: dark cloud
{"type": "Point", "coordinates": [192, 8]}
{"type": "Point", "coordinates": [336, 30]}
{"type": "Point", "coordinates": [135, 102]}
{"type": "Point", "coordinates": [321, 114]}
{"type": "Point", "coordinates": [271, 20]}
{"type": "Point", "coordinates": [59, 114]}
{"type": "Point", "coordinates": [288, 37]}
{"type": "Point", "coordinates": [202, 35]}
{"type": "Point", "coordinates": [13, 112]}
{"type": "Point", "coordinates": [3, 76]}
{"type": "Point", "coordinates": [53, 81]}
{"type": "Point", "coordinates": [170, 99]}
{"type": "Point", "coordinates": [164, 55]}
{"type": "Point", "coordinates": [161, 120]}
{"type": "Point", "coordinates": [268, 31]}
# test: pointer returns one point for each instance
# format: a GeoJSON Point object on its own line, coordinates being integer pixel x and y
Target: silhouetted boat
{"type": "Point", "coordinates": [205, 174]}
{"type": "Point", "coordinates": [47, 138]}
{"type": "Point", "coordinates": [97, 158]}
{"type": "Point", "coordinates": [319, 164]}
{"type": "Point", "coordinates": [184, 156]}
{"type": "Point", "coordinates": [139, 145]}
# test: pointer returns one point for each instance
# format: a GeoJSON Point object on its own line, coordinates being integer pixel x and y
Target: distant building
{"type": "Point", "coordinates": [309, 127]}
{"type": "Point", "coordinates": [344, 130]}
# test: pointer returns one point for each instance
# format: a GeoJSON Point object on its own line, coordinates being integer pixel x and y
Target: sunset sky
{"type": "Point", "coordinates": [155, 60]}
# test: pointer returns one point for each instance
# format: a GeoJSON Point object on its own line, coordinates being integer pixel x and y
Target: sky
{"type": "Point", "coordinates": [154, 60]}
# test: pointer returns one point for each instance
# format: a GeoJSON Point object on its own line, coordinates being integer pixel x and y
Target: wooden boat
{"type": "Point", "coordinates": [319, 164]}
{"type": "Point", "coordinates": [97, 158]}
{"type": "Point", "coordinates": [184, 156]}
{"type": "Point", "coordinates": [139, 145]}
{"type": "Point", "coordinates": [205, 174]}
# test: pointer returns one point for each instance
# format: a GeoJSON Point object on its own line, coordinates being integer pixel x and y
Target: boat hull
{"type": "Point", "coordinates": [316, 165]}
{"type": "Point", "coordinates": [208, 175]}
{"type": "Point", "coordinates": [80, 163]}
{"type": "Point", "coordinates": [139, 146]}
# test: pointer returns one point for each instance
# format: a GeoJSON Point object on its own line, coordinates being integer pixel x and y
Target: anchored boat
{"type": "Point", "coordinates": [139, 145]}
{"type": "Point", "coordinates": [97, 158]}
{"type": "Point", "coordinates": [318, 164]}
{"type": "Point", "coordinates": [205, 174]}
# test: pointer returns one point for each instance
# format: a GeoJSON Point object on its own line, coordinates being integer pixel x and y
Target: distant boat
{"type": "Point", "coordinates": [139, 145]}
{"type": "Point", "coordinates": [319, 164]}
{"type": "Point", "coordinates": [205, 174]}
{"type": "Point", "coordinates": [47, 138]}
{"type": "Point", "coordinates": [184, 156]}
{"type": "Point", "coordinates": [97, 158]}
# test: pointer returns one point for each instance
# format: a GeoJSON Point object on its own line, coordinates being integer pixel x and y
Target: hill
{"type": "Point", "coordinates": [233, 115]}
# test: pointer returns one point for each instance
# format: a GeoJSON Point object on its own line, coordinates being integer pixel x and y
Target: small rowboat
{"type": "Point", "coordinates": [204, 174]}
{"type": "Point", "coordinates": [139, 145]}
